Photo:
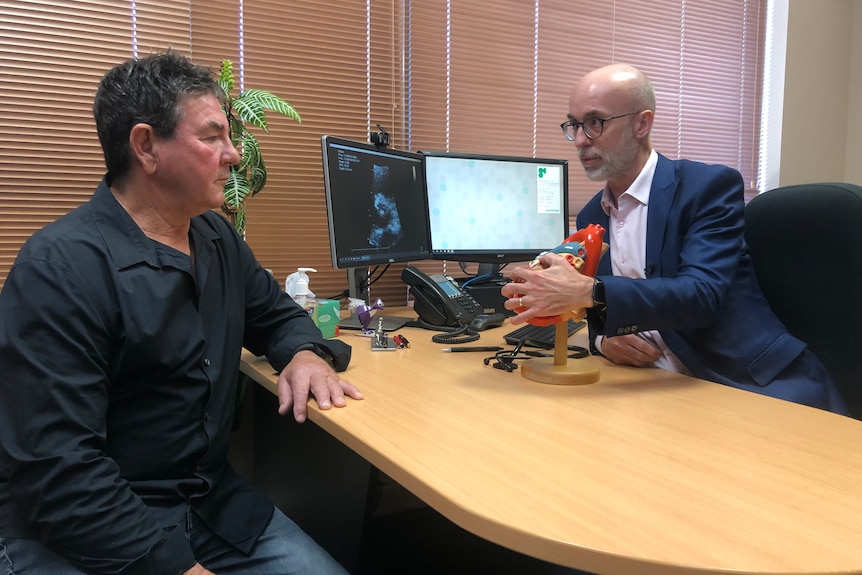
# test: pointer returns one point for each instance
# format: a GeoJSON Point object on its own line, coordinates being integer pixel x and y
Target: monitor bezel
{"type": "Point", "coordinates": [509, 255]}
{"type": "Point", "coordinates": [326, 141]}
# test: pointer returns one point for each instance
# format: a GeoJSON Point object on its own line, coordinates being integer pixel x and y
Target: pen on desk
{"type": "Point", "coordinates": [477, 348]}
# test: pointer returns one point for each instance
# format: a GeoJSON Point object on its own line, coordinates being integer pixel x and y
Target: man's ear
{"type": "Point", "coordinates": [643, 124]}
{"type": "Point", "coordinates": [142, 147]}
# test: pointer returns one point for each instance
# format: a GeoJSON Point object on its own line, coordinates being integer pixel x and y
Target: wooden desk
{"type": "Point", "coordinates": [646, 472]}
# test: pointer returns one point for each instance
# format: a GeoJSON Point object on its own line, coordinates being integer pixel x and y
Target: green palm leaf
{"type": "Point", "coordinates": [248, 177]}
{"type": "Point", "coordinates": [239, 220]}
{"type": "Point", "coordinates": [257, 179]}
{"type": "Point", "coordinates": [235, 191]}
{"type": "Point", "coordinates": [270, 101]}
{"type": "Point", "coordinates": [250, 151]}
{"type": "Point", "coordinates": [251, 112]}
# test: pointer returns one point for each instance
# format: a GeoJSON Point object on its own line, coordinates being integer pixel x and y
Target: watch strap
{"type": "Point", "coordinates": [599, 300]}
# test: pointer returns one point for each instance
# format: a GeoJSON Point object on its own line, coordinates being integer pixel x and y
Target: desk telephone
{"type": "Point", "coordinates": [438, 300]}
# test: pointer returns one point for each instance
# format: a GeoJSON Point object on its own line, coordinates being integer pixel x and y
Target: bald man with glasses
{"type": "Point", "coordinates": [676, 290]}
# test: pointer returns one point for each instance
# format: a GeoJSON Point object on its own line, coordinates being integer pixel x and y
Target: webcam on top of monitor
{"type": "Point", "coordinates": [379, 138]}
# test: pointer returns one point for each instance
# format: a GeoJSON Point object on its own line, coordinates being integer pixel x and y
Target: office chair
{"type": "Point", "coordinates": [806, 247]}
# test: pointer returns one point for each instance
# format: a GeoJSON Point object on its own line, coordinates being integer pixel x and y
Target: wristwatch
{"type": "Point", "coordinates": [598, 293]}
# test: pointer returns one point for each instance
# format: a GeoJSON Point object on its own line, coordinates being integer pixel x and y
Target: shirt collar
{"type": "Point", "coordinates": [639, 189]}
{"type": "Point", "coordinates": [126, 242]}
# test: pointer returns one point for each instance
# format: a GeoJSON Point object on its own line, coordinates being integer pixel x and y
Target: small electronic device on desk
{"type": "Point", "coordinates": [380, 340]}
{"type": "Point", "coordinates": [438, 300]}
{"type": "Point", "coordinates": [443, 306]}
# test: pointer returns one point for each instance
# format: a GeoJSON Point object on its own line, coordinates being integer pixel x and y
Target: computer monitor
{"type": "Point", "coordinates": [495, 209]}
{"type": "Point", "coordinates": [376, 208]}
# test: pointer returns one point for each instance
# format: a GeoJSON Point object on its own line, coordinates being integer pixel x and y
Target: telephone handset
{"type": "Point", "coordinates": [438, 300]}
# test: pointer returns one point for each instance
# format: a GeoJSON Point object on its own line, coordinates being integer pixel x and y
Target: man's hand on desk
{"type": "Point", "coordinates": [630, 349]}
{"type": "Point", "coordinates": [309, 375]}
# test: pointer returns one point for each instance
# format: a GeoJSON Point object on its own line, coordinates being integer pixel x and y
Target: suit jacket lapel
{"type": "Point", "coordinates": [602, 219]}
{"type": "Point", "coordinates": [661, 195]}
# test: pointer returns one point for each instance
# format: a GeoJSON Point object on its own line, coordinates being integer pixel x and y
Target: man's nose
{"type": "Point", "coordinates": [233, 155]}
{"type": "Point", "coordinates": [581, 138]}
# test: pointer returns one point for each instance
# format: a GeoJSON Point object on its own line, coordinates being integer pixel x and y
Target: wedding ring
{"type": "Point", "coordinates": [520, 302]}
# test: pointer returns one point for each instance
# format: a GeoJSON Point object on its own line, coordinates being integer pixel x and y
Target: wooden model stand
{"type": "Point", "coordinates": [560, 370]}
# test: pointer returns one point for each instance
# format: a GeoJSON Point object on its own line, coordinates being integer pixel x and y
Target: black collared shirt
{"type": "Point", "coordinates": [119, 378]}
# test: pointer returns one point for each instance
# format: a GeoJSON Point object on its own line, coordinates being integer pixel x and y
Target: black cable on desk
{"type": "Point", "coordinates": [453, 335]}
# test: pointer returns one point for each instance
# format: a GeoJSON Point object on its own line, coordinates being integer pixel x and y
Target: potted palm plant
{"type": "Point", "coordinates": [246, 109]}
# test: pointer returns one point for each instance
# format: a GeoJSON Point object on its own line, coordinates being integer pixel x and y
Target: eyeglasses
{"type": "Point", "coordinates": [593, 127]}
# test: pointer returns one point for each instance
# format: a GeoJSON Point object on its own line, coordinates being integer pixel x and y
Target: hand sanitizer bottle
{"type": "Point", "coordinates": [296, 285]}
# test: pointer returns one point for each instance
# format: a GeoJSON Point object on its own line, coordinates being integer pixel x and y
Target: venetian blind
{"type": "Point", "coordinates": [337, 64]}
{"type": "Point", "coordinates": [52, 56]}
{"type": "Point", "coordinates": [436, 75]}
{"type": "Point", "coordinates": [498, 81]}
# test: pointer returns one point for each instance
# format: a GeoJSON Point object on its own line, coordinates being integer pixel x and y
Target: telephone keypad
{"type": "Point", "coordinates": [469, 303]}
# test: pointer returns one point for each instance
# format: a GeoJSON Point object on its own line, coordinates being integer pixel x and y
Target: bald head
{"type": "Point", "coordinates": [615, 105]}
{"type": "Point", "coordinates": [616, 84]}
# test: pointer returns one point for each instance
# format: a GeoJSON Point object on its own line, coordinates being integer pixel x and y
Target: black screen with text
{"type": "Point", "coordinates": [376, 204]}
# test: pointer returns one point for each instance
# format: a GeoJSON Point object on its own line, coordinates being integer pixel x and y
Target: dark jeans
{"type": "Point", "coordinates": [283, 549]}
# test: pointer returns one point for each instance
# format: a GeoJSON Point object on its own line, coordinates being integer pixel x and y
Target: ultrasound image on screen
{"type": "Point", "coordinates": [385, 222]}
{"type": "Point", "coordinates": [375, 203]}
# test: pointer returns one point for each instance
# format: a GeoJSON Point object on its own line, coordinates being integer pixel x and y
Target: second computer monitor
{"type": "Point", "coordinates": [495, 209]}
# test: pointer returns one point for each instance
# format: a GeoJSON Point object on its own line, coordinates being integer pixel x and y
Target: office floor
{"type": "Point", "coordinates": [405, 537]}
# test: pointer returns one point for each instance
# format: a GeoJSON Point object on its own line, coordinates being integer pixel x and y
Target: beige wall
{"type": "Point", "coordinates": [821, 138]}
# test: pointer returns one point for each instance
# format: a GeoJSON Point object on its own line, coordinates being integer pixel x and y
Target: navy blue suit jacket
{"type": "Point", "coordinates": [701, 292]}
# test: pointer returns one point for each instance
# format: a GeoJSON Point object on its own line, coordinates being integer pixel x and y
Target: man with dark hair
{"type": "Point", "coordinates": [121, 328]}
{"type": "Point", "coordinates": [676, 289]}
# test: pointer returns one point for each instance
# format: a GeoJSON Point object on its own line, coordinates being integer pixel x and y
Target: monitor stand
{"type": "Point", "coordinates": [490, 273]}
{"type": "Point", "coordinates": [357, 283]}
